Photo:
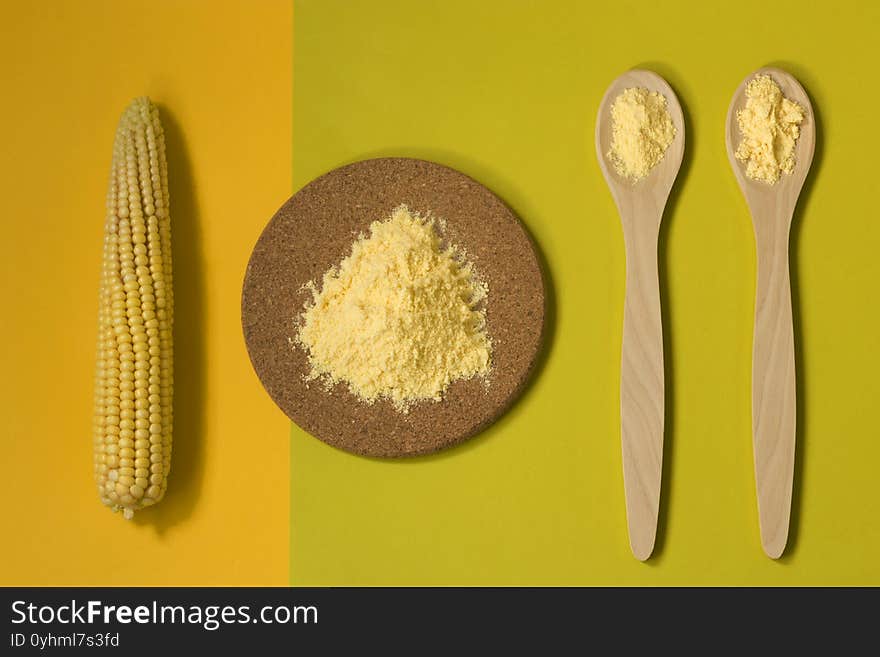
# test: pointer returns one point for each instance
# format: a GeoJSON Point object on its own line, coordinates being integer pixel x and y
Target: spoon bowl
{"type": "Point", "coordinates": [658, 182]}
{"type": "Point", "coordinates": [787, 189]}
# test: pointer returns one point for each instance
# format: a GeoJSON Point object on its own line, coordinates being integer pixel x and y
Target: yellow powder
{"type": "Point", "coordinates": [399, 318]}
{"type": "Point", "coordinates": [769, 124]}
{"type": "Point", "coordinates": [642, 130]}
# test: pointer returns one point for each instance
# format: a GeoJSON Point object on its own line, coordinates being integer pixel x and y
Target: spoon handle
{"type": "Point", "coordinates": [641, 388]}
{"type": "Point", "coordinates": [773, 386]}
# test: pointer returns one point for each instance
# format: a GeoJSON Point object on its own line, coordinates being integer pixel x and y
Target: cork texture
{"type": "Point", "coordinates": [314, 230]}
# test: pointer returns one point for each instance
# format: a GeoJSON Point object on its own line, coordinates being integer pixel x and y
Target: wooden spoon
{"type": "Point", "coordinates": [640, 205]}
{"type": "Point", "coordinates": [773, 373]}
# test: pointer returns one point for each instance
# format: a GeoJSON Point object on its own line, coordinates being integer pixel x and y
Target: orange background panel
{"type": "Point", "coordinates": [220, 72]}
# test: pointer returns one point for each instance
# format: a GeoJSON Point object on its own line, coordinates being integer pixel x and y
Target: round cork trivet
{"type": "Point", "coordinates": [314, 231]}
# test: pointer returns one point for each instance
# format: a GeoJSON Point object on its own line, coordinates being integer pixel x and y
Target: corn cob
{"type": "Point", "coordinates": [133, 376]}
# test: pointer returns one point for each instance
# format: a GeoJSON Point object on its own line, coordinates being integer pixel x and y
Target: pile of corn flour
{"type": "Point", "coordinates": [770, 126]}
{"type": "Point", "coordinates": [641, 131]}
{"type": "Point", "coordinates": [399, 318]}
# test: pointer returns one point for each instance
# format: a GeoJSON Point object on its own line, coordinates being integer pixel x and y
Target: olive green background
{"type": "Point", "coordinates": [507, 92]}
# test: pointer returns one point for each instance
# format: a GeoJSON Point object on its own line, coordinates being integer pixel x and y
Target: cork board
{"type": "Point", "coordinates": [314, 230]}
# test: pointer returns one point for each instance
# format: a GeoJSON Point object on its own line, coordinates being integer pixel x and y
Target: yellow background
{"type": "Point", "coordinates": [220, 72]}
{"type": "Point", "coordinates": [507, 92]}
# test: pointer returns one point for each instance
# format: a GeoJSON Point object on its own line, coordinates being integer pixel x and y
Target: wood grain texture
{"type": "Point", "coordinates": [773, 365]}
{"type": "Point", "coordinates": [642, 397]}
{"type": "Point", "coordinates": [314, 230]}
